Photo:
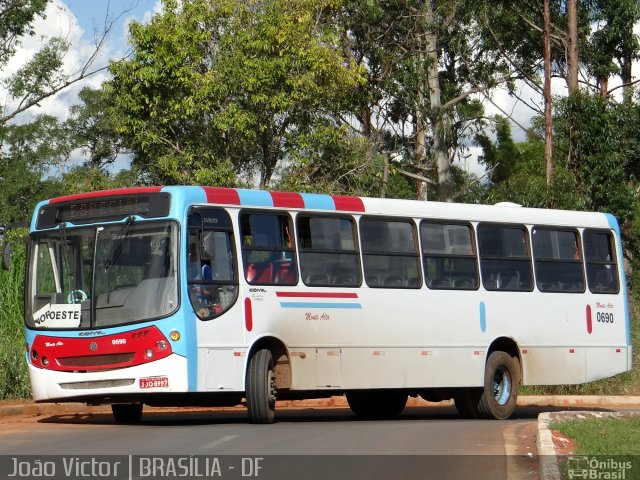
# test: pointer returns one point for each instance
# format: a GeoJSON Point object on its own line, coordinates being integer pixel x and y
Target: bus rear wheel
{"type": "Point", "coordinates": [127, 412]}
{"type": "Point", "coordinates": [261, 388]}
{"type": "Point", "coordinates": [501, 382]}
{"type": "Point", "coordinates": [377, 403]}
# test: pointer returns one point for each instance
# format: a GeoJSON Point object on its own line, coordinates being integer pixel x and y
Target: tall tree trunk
{"type": "Point", "coordinates": [603, 84]}
{"type": "Point", "coordinates": [440, 152]}
{"type": "Point", "coordinates": [572, 74]}
{"type": "Point", "coordinates": [548, 121]}
{"type": "Point", "coordinates": [572, 45]}
{"type": "Point", "coordinates": [420, 144]}
{"type": "Point", "coordinates": [385, 177]}
{"type": "Point", "coordinates": [627, 79]}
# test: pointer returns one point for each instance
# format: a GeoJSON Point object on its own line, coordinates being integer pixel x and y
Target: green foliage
{"type": "Point", "coordinates": [92, 127]}
{"type": "Point", "coordinates": [29, 151]}
{"type": "Point", "coordinates": [225, 86]}
{"type": "Point", "coordinates": [16, 17]}
{"type": "Point", "coordinates": [13, 366]}
{"type": "Point", "coordinates": [41, 73]}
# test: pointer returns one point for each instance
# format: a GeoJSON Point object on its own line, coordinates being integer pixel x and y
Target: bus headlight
{"type": "Point", "coordinates": [149, 353]}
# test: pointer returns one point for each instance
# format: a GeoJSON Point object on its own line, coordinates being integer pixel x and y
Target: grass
{"type": "Point", "coordinates": [603, 436]}
{"type": "Point", "coordinates": [606, 448]}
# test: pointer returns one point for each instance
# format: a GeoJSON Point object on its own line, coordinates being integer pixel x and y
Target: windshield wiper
{"type": "Point", "coordinates": [114, 252]}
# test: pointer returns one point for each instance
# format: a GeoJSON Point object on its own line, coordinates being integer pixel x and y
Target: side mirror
{"type": "Point", "coordinates": [207, 246]}
{"type": "Point", "coordinates": [6, 256]}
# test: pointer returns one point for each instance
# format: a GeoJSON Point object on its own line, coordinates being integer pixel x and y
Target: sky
{"type": "Point", "coordinates": [79, 22]}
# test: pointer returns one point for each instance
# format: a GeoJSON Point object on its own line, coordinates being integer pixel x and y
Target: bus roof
{"type": "Point", "coordinates": [505, 212]}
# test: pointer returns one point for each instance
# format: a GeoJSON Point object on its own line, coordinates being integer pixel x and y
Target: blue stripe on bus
{"type": "Point", "coordinates": [613, 223]}
{"type": "Point", "coordinates": [318, 201]}
{"type": "Point", "coordinates": [483, 317]}
{"type": "Point", "coordinates": [319, 305]}
{"type": "Point", "coordinates": [256, 198]}
{"type": "Point", "coordinates": [182, 197]}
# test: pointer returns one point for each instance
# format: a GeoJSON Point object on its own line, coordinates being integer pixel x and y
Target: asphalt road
{"type": "Point", "coordinates": [304, 444]}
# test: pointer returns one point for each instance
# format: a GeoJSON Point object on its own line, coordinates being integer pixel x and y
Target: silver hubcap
{"type": "Point", "coordinates": [502, 386]}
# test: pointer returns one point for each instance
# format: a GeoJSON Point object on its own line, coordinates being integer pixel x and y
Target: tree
{"type": "Point", "coordinates": [219, 87]}
{"type": "Point", "coordinates": [426, 62]}
{"type": "Point", "coordinates": [93, 128]}
{"type": "Point", "coordinates": [43, 75]}
{"type": "Point", "coordinates": [34, 148]}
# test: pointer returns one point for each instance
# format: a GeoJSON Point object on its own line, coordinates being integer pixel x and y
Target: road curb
{"type": "Point", "coordinates": [549, 469]}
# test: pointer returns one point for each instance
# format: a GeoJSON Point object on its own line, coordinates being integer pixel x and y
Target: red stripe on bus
{"type": "Point", "coordinates": [351, 204]}
{"type": "Point", "coordinates": [287, 199]}
{"type": "Point", "coordinates": [105, 193]}
{"type": "Point", "coordinates": [316, 295]}
{"type": "Point", "coordinates": [248, 314]}
{"type": "Point", "coordinates": [224, 195]}
{"type": "Point", "coordinates": [589, 320]}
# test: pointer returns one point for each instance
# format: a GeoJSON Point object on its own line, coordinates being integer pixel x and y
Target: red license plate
{"type": "Point", "coordinates": [154, 382]}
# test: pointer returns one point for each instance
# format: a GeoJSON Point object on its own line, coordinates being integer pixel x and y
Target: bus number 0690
{"type": "Point", "coordinates": [604, 317]}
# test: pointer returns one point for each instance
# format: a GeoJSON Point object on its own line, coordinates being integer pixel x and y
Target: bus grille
{"type": "Point", "coordinates": [96, 360]}
{"type": "Point", "coordinates": [97, 384]}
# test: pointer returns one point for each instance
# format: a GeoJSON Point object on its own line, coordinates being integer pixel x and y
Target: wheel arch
{"type": "Point", "coordinates": [281, 359]}
{"type": "Point", "coordinates": [507, 345]}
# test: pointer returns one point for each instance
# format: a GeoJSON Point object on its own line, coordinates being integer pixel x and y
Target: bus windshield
{"type": "Point", "coordinates": [94, 277]}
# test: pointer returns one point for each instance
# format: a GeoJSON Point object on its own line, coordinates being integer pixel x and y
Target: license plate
{"type": "Point", "coordinates": [154, 382]}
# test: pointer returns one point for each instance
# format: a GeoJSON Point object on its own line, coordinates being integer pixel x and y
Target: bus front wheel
{"type": "Point", "coordinates": [261, 388]}
{"type": "Point", "coordinates": [501, 382]}
{"type": "Point", "coordinates": [127, 412]}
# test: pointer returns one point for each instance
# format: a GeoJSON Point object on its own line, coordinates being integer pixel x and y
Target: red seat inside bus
{"type": "Point", "coordinates": [259, 272]}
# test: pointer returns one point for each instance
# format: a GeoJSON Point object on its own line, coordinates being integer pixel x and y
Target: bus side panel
{"type": "Point", "coordinates": [220, 369]}
{"type": "Point", "coordinates": [603, 362]}
{"type": "Point", "coordinates": [554, 366]}
{"type": "Point", "coordinates": [412, 367]}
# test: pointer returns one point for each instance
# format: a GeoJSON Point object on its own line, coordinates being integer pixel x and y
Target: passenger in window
{"type": "Point", "coordinates": [203, 295]}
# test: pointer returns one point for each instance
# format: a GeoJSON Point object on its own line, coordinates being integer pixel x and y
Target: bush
{"type": "Point", "coordinates": [14, 381]}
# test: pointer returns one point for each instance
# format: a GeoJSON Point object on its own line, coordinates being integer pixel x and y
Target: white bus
{"type": "Point", "coordinates": [211, 296]}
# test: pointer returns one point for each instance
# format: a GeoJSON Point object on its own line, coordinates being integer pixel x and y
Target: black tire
{"type": "Point", "coordinates": [466, 401]}
{"type": "Point", "coordinates": [260, 388]}
{"type": "Point", "coordinates": [377, 403]}
{"type": "Point", "coordinates": [128, 413]}
{"type": "Point", "coordinates": [501, 383]}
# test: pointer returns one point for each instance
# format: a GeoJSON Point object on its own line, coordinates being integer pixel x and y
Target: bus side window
{"type": "Point", "coordinates": [449, 256]}
{"type": "Point", "coordinates": [557, 260]}
{"type": "Point", "coordinates": [505, 260]}
{"type": "Point", "coordinates": [390, 253]}
{"type": "Point", "coordinates": [328, 251]}
{"type": "Point", "coordinates": [268, 254]}
{"type": "Point", "coordinates": [600, 257]}
{"type": "Point", "coordinates": [211, 270]}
